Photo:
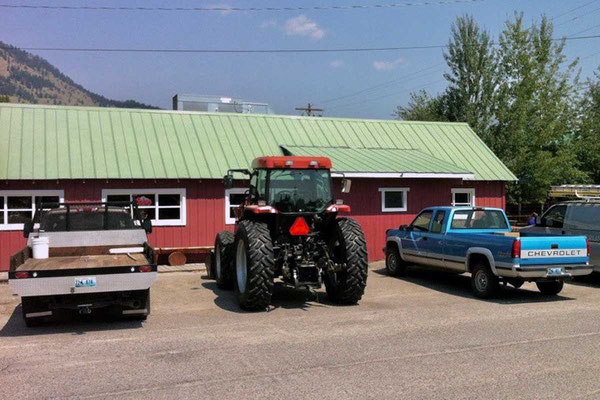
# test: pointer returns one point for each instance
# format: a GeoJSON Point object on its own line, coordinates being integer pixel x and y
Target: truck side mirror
{"type": "Point", "coordinates": [27, 228]}
{"type": "Point", "coordinates": [228, 180]}
{"type": "Point", "coordinates": [403, 227]}
{"type": "Point", "coordinates": [346, 185]}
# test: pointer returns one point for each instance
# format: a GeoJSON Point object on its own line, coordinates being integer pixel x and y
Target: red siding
{"type": "Point", "coordinates": [206, 208]}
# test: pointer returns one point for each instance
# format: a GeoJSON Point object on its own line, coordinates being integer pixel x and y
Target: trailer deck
{"type": "Point", "coordinates": [86, 261]}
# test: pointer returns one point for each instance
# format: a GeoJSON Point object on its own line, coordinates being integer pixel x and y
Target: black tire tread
{"type": "Point", "coordinates": [226, 244]}
{"type": "Point", "coordinates": [550, 288]}
{"type": "Point", "coordinates": [261, 265]}
{"type": "Point", "coordinates": [494, 286]}
{"type": "Point", "coordinates": [353, 280]}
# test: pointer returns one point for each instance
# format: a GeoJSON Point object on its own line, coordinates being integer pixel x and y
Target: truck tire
{"type": "Point", "coordinates": [147, 304]}
{"type": "Point", "coordinates": [29, 305]}
{"type": "Point", "coordinates": [224, 259]}
{"type": "Point", "coordinates": [484, 283]}
{"type": "Point", "coordinates": [394, 265]}
{"type": "Point", "coordinates": [349, 247]}
{"type": "Point", "coordinates": [550, 288]}
{"type": "Point", "coordinates": [254, 265]}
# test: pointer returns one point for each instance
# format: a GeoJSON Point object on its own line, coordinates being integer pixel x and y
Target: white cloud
{"type": "Point", "coordinates": [270, 23]}
{"type": "Point", "coordinates": [387, 65]}
{"type": "Point", "coordinates": [304, 26]}
{"type": "Point", "coordinates": [336, 64]}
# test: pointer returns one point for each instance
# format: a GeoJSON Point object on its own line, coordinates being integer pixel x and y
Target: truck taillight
{"type": "Point", "coordinates": [21, 274]}
{"type": "Point", "coordinates": [146, 268]}
{"type": "Point", "coordinates": [516, 249]}
{"type": "Point", "coordinates": [299, 227]}
{"type": "Point", "coordinates": [588, 246]}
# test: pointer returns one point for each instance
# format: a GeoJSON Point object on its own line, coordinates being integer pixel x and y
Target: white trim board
{"type": "Point", "coordinates": [402, 175]}
{"type": "Point", "coordinates": [470, 191]}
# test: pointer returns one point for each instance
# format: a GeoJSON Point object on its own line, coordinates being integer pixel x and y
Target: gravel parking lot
{"type": "Point", "coordinates": [422, 336]}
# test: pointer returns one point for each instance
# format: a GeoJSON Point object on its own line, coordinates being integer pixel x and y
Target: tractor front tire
{"type": "Point", "coordinates": [254, 265]}
{"type": "Point", "coordinates": [349, 247]}
{"type": "Point", "coordinates": [223, 265]}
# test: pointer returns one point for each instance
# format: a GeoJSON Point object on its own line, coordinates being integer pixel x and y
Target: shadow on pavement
{"type": "Point", "coordinates": [283, 297]}
{"type": "Point", "coordinates": [592, 280]}
{"type": "Point", "coordinates": [460, 285]}
{"type": "Point", "coordinates": [67, 322]}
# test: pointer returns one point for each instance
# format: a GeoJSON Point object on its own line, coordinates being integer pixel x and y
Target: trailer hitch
{"type": "Point", "coordinates": [84, 309]}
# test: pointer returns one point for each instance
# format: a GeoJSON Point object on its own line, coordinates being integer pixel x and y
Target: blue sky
{"type": "Point", "coordinates": [283, 80]}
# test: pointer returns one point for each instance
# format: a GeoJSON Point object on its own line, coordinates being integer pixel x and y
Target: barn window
{"type": "Point", "coordinates": [463, 197]}
{"type": "Point", "coordinates": [394, 199]}
{"type": "Point", "coordinates": [166, 207]}
{"type": "Point", "coordinates": [18, 206]}
{"type": "Point", "coordinates": [233, 199]}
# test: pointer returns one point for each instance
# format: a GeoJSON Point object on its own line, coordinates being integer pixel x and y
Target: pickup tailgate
{"type": "Point", "coordinates": [553, 250]}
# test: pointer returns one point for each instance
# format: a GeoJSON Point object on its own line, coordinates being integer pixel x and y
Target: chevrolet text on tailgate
{"type": "Point", "coordinates": [480, 241]}
{"type": "Point", "coordinates": [84, 256]}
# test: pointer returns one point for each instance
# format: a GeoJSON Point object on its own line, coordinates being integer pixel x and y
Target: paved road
{"type": "Point", "coordinates": [423, 336]}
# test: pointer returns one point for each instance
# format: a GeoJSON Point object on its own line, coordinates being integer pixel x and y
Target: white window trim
{"type": "Point", "coordinates": [25, 193]}
{"type": "Point", "coordinates": [230, 219]}
{"type": "Point", "coordinates": [180, 191]}
{"type": "Point", "coordinates": [394, 189]}
{"type": "Point", "coordinates": [469, 191]}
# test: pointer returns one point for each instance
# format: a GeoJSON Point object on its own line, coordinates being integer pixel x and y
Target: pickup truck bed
{"type": "Point", "coordinates": [82, 262]}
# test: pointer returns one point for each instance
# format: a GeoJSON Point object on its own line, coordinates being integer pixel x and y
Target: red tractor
{"type": "Point", "coordinates": [288, 227]}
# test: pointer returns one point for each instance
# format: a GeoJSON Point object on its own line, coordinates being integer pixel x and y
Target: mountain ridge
{"type": "Point", "coordinates": [27, 78]}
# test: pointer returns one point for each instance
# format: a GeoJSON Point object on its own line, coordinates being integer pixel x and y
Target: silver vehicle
{"type": "Point", "coordinates": [578, 217]}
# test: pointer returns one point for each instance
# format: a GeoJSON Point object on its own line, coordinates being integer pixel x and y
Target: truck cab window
{"type": "Point", "coordinates": [555, 217]}
{"type": "Point", "coordinates": [438, 221]}
{"type": "Point", "coordinates": [421, 223]}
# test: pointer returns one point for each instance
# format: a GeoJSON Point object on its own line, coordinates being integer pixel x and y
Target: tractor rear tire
{"type": "Point", "coordinates": [350, 248]}
{"type": "Point", "coordinates": [254, 265]}
{"type": "Point", "coordinates": [223, 265]}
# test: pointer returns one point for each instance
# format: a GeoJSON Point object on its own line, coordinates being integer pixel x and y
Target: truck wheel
{"type": "Point", "coordinates": [550, 288]}
{"type": "Point", "coordinates": [484, 283]}
{"type": "Point", "coordinates": [393, 262]}
{"type": "Point", "coordinates": [350, 248]}
{"type": "Point", "coordinates": [254, 265]}
{"type": "Point", "coordinates": [224, 259]}
{"type": "Point", "coordinates": [146, 299]}
{"type": "Point", "coordinates": [28, 305]}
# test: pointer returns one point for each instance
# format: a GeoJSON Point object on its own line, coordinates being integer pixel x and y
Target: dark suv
{"type": "Point", "coordinates": [579, 217]}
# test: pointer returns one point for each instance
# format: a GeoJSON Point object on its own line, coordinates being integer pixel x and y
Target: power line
{"type": "Point", "coordinates": [385, 96]}
{"type": "Point", "coordinates": [258, 51]}
{"type": "Point", "coordinates": [229, 9]}
{"type": "Point", "coordinates": [383, 84]}
{"type": "Point", "coordinates": [578, 16]}
{"type": "Point", "coordinates": [574, 9]}
{"type": "Point", "coordinates": [586, 30]}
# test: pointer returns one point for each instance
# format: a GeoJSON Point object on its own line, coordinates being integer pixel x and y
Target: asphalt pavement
{"type": "Point", "coordinates": [423, 336]}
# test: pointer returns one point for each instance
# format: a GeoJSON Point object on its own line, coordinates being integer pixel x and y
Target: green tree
{"type": "Point", "coordinates": [588, 135]}
{"type": "Point", "coordinates": [534, 111]}
{"type": "Point", "coordinates": [471, 77]}
{"type": "Point", "coordinates": [421, 107]}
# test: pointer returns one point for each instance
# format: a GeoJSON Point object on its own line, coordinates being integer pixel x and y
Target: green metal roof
{"type": "Point", "coordinates": [372, 161]}
{"type": "Point", "coordinates": [56, 142]}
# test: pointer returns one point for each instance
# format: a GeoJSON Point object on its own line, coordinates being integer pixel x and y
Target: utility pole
{"type": "Point", "coordinates": [309, 110]}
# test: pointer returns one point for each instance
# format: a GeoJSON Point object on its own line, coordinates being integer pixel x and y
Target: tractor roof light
{"type": "Point", "coordinates": [299, 227]}
{"type": "Point", "coordinates": [314, 163]}
{"type": "Point", "coordinates": [289, 163]}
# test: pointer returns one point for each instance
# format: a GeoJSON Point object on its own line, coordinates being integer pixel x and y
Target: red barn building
{"type": "Point", "coordinates": [178, 159]}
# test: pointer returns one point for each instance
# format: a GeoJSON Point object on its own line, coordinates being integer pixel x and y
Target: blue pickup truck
{"type": "Point", "coordinates": [480, 241]}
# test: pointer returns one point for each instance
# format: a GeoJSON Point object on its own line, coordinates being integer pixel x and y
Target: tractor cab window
{"type": "Point", "coordinates": [258, 184]}
{"type": "Point", "coordinates": [299, 190]}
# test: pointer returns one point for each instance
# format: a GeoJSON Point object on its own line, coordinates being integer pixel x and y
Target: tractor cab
{"type": "Point", "coordinates": [289, 185]}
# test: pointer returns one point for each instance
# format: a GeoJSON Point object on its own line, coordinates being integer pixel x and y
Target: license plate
{"type": "Point", "coordinates": [86, 281]}
{"type": "Point", "coordinates": [555, 271]}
